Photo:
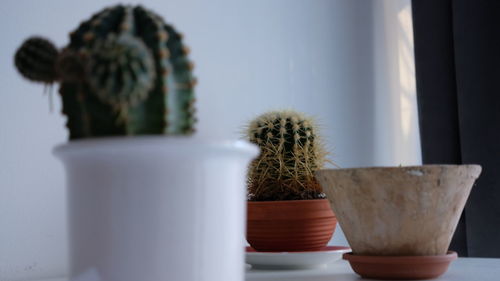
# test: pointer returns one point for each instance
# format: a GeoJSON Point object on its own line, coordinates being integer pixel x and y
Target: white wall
{"type": "Point", "coordinates": [397, 140]}
{"type": "Point", "coordinates": [340, 61]}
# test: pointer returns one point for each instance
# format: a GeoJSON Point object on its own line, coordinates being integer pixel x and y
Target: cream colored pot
{"type": "Point", "coordinates": [399, 210]}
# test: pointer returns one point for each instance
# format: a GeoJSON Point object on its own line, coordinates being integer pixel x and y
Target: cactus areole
{"type": "Point", "coordinates": [124, 72]}
{"type": "Point", "coordinates": [291, 151]}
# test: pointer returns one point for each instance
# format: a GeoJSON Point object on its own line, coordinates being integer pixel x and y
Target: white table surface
{"type": "Point", "coordinates": [463, 269]}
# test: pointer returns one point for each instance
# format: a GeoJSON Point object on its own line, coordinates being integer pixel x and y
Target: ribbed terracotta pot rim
{"type": "Point", "coordinates": [264, 210]}
{"type": "Point", "coordinates": [450, 255]}
{"type": "Point", "coordinates": [302, 201]}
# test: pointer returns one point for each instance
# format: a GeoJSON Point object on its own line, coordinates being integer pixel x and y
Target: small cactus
{"type": "Point", "coordinates": [36, 59]}
{"type": "Point", "coordinates": [291, 152]}
{"type": "Point", "coordinates": [124, 72]}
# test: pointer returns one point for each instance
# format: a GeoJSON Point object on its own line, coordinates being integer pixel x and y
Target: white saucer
{"type": "Point", "coordinates": [294, 260]}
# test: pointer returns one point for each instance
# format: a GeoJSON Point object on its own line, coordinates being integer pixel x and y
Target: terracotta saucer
{"type": "Point", "coordinates": [400, 267]}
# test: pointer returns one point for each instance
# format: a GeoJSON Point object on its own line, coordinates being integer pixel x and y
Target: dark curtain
{"type": "Point", "coordinates": [457, 60]}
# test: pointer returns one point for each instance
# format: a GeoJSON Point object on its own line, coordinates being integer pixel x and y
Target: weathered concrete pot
{"type": "Point", "coordinates": [399, 211]}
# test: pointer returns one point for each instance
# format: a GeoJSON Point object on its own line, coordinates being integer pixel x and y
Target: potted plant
{"type": "Point", "coordinates": [140, 204]}
{"type": "Point", "coordinates": [399, 221]}
{"type": "Point", "coordinates": [287, 209]}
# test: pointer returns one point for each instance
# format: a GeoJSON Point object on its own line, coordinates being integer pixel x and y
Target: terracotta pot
{"type": "Point", "coordinates": [399, 211]}
{"type": "Point", "coordinates": [400, 267]}
{"type": "Point", "coordinates": [287, 226]}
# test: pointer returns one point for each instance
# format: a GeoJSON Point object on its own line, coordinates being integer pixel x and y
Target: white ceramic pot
{"type": "Point", "coordinates": [156, 208]}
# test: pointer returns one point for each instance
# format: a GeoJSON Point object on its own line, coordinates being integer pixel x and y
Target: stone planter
{"type": "Point", "coordinates": [399, 211]}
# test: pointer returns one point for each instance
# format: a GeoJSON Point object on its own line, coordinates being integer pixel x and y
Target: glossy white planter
{"type": "Point", "coordinates": [156, 208]}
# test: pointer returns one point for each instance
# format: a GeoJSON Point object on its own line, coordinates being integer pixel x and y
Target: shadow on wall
{"type": "Point", "coordinates": [397, 139]}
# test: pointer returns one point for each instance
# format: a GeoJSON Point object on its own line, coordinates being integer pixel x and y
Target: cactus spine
{"type": "Point", "coordinates": [125, 72]}
{"type": "Point", "coordinates": [290, 153]}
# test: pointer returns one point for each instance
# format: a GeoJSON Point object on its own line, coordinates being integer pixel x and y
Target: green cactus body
{"type": "Point", "coordinates": [126, 72]}
{"type": "Point", "coordinates": [36, 60]}
{"type": "Point", "coordinates": [290, 153]}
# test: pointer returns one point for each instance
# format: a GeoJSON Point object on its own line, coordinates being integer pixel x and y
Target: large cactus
{"type": "Point", "coordinates": [124, 72]}
{"type": "Point", "coordinates": [290, 153]}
